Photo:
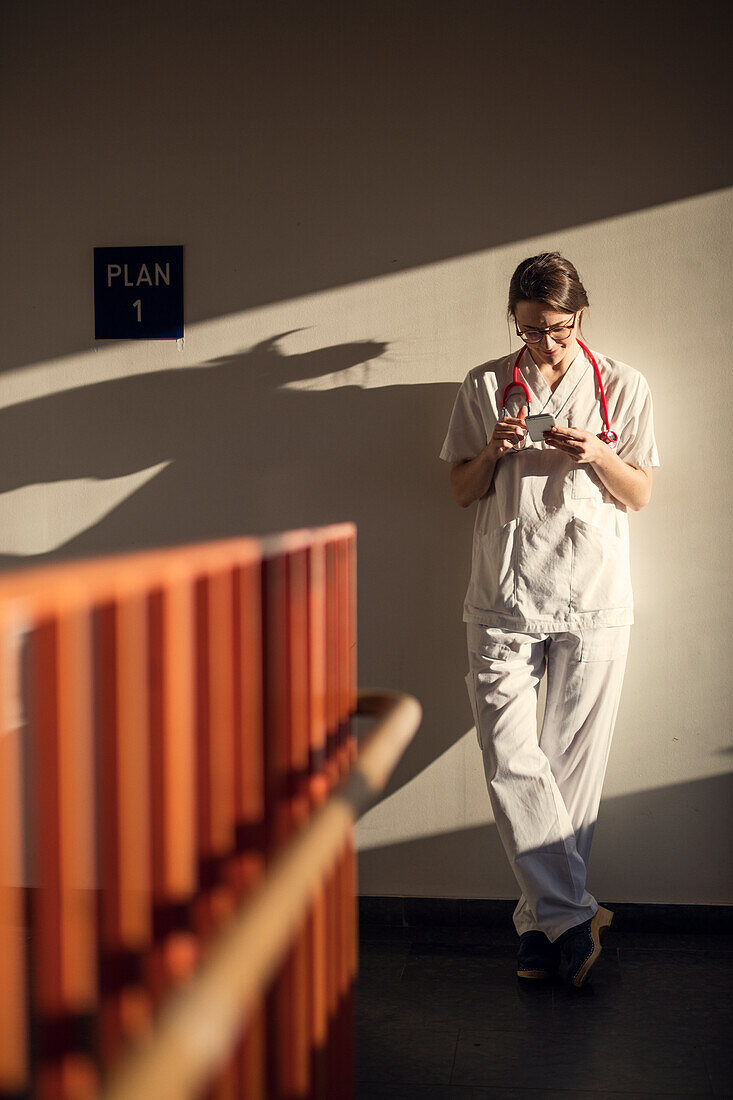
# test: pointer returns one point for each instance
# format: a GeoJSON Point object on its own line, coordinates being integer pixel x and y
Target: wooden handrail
{"type": "Point", "coordinates": [201, 1023]}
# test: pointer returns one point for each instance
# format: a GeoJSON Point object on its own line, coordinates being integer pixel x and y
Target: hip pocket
{"type": "Point", "coordinates": [605, 643]}
{"type": "Point", "coordinates": [600, 578]}
{"type": "Point", "coordinates": [493, 576]}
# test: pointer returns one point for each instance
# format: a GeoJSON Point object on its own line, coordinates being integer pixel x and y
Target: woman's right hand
{"type": "Point", "coordinates": [472, 478]}
{"type": "Point", "coordinates": [509, 432]}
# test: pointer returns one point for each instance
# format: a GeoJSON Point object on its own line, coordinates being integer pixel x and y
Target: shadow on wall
{"type": "Point", "coordinates": [688, 817]}
{"type": "Point", "coordinates": [246, 456]}
{"type": "Point", "coordinates": [294, 147]}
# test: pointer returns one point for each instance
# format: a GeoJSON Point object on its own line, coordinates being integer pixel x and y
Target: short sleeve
{"type": "Point", "coordinates": [637, 444]}
{"type": "Point", "coordinates": [466, 435]}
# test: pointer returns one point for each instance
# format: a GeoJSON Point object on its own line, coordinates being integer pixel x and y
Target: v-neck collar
{"type": "Point", "coordinates": [549, 401]}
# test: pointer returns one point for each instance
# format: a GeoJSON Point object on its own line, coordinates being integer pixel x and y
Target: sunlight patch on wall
{"type": "Point", "coordinates": [439, 320]}
{"type": "Point", "coordinates": [36, 519]}
{"type": "Point", "coordinates": [450, 794]}
{"type": "Point", "coordinates": [419, 327]}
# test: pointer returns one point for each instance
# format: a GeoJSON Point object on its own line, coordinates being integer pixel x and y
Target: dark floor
{"type": "Point", "coordinates": [440, 1014]}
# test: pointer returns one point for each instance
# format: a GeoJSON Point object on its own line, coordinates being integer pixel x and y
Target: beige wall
{"type": "Point", "coordinates": [353, 186]}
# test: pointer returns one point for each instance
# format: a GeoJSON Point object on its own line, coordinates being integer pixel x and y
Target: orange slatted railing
{"type": "Point", "coordinates": [175, 736]}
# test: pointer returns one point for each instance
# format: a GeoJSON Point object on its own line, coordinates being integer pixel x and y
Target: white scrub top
{"type": "Point", "coordinates": [550, 543]}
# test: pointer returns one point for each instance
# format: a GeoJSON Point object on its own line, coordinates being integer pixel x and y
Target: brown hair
{"type": "Point", "coordinates": [547, 278]}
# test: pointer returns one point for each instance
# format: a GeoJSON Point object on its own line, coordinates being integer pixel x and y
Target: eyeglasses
{"type": "Point", "coordinates": [557, 332]}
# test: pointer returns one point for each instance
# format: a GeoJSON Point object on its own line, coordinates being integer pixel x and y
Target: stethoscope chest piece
{"type": "Point", "coordinates": [609, 437]}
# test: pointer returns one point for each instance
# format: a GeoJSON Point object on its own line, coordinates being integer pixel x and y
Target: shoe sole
{"type": "Point", "coordinates": [535, 975]}
{"type": "Point", "coordinates": [599, 925]}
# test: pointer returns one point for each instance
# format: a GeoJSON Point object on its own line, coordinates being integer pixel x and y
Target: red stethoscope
{"type": "Point", "coordinates": [607, 436]}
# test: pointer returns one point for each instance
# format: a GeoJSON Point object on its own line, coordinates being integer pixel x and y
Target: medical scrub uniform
{"type": "Point", "coordinates": [550, 591]}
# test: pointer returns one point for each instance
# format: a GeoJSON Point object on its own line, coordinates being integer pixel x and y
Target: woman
{"type": "Point", "coordinates": [550, 591]}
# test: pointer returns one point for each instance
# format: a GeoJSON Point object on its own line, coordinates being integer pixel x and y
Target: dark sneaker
{"type": "Point", "coordinates": [580, 947]}
{"type": "Point", "coordinates": [537, 958]}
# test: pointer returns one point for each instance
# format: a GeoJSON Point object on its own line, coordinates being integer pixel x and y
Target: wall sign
{"type": "Point", "coordinates": [138, 293]}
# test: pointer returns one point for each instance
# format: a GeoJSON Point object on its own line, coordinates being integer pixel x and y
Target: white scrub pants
{"type": "Point", "coordinates": [545, 791]}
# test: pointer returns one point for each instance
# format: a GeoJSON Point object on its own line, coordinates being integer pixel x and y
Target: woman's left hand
{"type": "Point", "coordinates": [581, 445]}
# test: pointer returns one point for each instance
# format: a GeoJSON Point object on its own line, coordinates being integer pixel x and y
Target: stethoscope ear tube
{"type": "Point", "coordinates": [607, 436]}
{"type": "Point", "coordinates": [516, 381]}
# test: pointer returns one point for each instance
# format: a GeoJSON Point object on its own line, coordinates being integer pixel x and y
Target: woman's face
{"type": "Point", "coordinates": [553, 346]}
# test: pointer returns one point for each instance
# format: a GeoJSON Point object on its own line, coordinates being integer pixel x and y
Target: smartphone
{"type": "Point", "coordinates": [538, 425]}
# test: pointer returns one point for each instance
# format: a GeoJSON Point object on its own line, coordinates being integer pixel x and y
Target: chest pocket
{"type": "Point", "coordinates": [586, 483]}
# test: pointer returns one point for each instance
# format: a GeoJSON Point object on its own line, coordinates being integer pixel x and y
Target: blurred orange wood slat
{"type": "Point", "coordinates": [318, 781]}
{"type": "Point", "coordinates": [215, 768]}
{"type": "Point", "coordinates": [275, 675]}
{"type": "Point", "coordinates": [292, 1030]}
{"type": "Point", "coordinates": [347, 647]}
{"type": "Point", "coordinates": [351, 933]}
{"type": "Point", "coordinates": [64, 922]}
{"type": "Point", "coordinates": [332, 665]}
{"type": "Point", "coordinates": [344, 886]}
{"type": "Point", "coordinates": [298, 686]}
{"type": "Point", "coordinates": [251, 1058]}
{"type": "Point", "coordinates": [215, 745]}
{"type": "Point", "coordinates": [318, 786]}
{"type": "Point", "coordinates": [287, 714]}
{"type": "Point", "coordinates": [344, 654]}
{"type": "Point", "coordinates": [298, 1004]}
{"type": "Point", "coordinates": [351, 611]}
{"type": "Point", "coordinates": [276, 703]}
{"type": "Point", "coordinates": [340, 658]}
{"type": "Point", "coordinates": [124, 756]}
{"type": "Point", "coordinates": [334, 763]}
{"type": "Point", "coordinates": [173, 789]}
{"type": "Point", "coordinates": [247, 866]}
{"type": "Point", "coordinates": [249, 788]}
{"type": "Point", "coordinates": [347, 589]}
{"type": "Point", "coordinates": [121, 643]}
{"type": "Point", "coordinates": [14, 1057]}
